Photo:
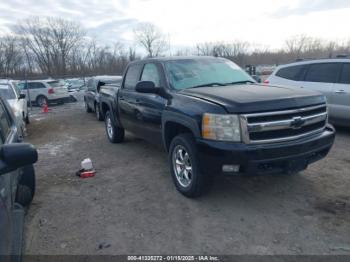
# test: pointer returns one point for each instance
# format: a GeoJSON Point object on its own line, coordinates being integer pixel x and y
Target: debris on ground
{"type": "Point", "coordinates": [87, 169]}
{"type": "Point", "coordinates": [103, 245]}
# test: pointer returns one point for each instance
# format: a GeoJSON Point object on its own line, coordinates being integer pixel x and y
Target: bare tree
{"type": "Point", "coordinates": [296, 45]}
{"type": "Point", "coordinates": [11, 56]}
{"type": "Point", "coordinates": [151, 39]}
{"type": "Point", "coordinates": [51, 40]}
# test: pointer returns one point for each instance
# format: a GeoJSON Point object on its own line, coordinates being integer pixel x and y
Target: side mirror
{"type": "Point", "coordinates": [22, 96]}
{"type": "Point", "coordinates": [14, 156]}
{"type": "Point", "coordinates": [146, 87]}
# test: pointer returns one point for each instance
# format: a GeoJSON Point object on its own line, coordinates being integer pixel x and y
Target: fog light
{"type": "Point", "coordinates": [230, 168]}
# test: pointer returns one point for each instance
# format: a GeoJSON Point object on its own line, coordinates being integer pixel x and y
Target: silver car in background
{"type": "Point", "coordinates": [331, 77]}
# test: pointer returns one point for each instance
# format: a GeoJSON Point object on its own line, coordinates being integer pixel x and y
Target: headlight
{"type": "Point", "coordinates": [221, 127]}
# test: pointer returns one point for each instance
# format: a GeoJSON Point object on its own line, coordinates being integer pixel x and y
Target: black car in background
{"type": "Point", "coordinates": [17, 182]}
{"type": "Point", "coordinates": [91, 96]}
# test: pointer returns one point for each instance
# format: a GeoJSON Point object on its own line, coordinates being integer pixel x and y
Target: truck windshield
{"type": "Point", "coordinates": [191, 73]}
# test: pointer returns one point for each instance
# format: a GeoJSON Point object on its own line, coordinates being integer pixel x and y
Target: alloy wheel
{"type": "Point", "coordinates": [182, 166]}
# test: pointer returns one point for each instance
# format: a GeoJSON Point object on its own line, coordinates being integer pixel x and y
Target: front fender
{"type": "Point", "coordinates": [181, 119]}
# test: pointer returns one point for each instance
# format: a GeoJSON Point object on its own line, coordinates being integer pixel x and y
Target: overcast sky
{"type": "Point", "coordinates": [187, 22]}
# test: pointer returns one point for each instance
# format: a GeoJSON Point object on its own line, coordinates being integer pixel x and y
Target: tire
{"type": "Point", "coordinates": [26, 186]}
{"type": "Point", "coordinates": [72, 99]}
{"type": "Point", "coordinates": [26, 118]}
{"type": "Point", "coordinates": [98, 113]}
{"type": "Point", "coordinates": [87, 108]}
{"type": "Point", "coordinates": [114, 133]}
{"type": "Point", "coordinates": [40, 100]}
{"type": "Point", "coordinates": [198, 182]}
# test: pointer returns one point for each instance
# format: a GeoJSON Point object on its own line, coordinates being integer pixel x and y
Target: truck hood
{"type": "Point", "coordinates": [249, 98]}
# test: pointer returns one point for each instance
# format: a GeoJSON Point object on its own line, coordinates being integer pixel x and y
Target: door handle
{"type": "Point", "coordinates": [340, 92]}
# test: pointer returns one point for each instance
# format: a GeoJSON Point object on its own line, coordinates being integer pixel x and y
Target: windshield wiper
{"type": "Point", "coordinates": [209, 85]}
{"type": "Point", "coordinates": [240, 82]}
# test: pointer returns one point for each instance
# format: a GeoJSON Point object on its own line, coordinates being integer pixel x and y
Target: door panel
{"type": "Point", "coordinates": [148, 115]}
{"type": "Point", "coordinates": [127, 98]}
{"type": "Point", "coordinates": [321, 77]}
{"type": "Point", "coordinates": [149, 107]}
{"type": "Point", "coordinates": [340, 99]}
{"type": "Point", "coordinates": [127, 109]}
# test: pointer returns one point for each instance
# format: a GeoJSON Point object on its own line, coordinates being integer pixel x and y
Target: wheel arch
{"type": "Point", "coordinates": [174, 124]}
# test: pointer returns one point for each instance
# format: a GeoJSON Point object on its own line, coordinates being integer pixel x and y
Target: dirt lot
{"type": "Point", "coordinates": [132, 207]}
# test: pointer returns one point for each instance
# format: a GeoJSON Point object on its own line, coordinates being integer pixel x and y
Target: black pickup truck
{"type": "Point", "coordinates": [214, 118]}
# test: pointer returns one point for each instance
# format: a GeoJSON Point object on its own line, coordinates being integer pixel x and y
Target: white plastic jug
{"type": "Point", "coordinates": [86, 164]}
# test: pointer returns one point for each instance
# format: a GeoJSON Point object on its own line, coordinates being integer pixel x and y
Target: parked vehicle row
{"type": "Point", "coordinates": [17, 180]}
{"type": "Point", "coordinates": [74, 85]}
{"type": "Point", "coordinates": [45, 91]}
{"type": "Point", "coordinates": [331, 77]}
{"type": "Point", "coordinates": [212, 117]}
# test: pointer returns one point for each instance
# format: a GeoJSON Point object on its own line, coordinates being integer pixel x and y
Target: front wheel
{"type": "Point", "coordinates": [184, 167]}
{"type": "Point", "coordinates": [26, 186]}
{"type": "Point", "coordinates": [26, 119]}
{"type": "Point", "coordinates": [114, 133]}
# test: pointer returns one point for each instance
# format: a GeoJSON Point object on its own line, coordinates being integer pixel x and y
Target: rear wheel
{"type": "Point", "coordinates": [26, 119]}
{"type": "Point", "coordinates": [87, 108]}
{"type": "Point", "coordinates": [26, 186]}
{"type": "Point", "coordinates": [98, 113]}
{"type": "Point", "coordinates": [114, 133]}
{"type": "Point", "coordinates": [184, 167]}
{"type": "Point", "coordinates": [41, 101]}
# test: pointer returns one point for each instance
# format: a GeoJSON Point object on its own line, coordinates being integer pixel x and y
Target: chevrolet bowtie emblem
{"type": "Point", "coordinates": [297, 122]}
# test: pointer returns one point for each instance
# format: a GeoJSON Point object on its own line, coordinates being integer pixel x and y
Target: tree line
{"type": "Point", "coordinates": [55, 47]}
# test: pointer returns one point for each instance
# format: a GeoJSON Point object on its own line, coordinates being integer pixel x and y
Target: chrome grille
{"type": "Point", "coordinates": [284, 125]}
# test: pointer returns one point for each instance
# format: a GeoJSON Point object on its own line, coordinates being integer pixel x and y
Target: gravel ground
{"type": "Point", "coordinates": [131, 205]}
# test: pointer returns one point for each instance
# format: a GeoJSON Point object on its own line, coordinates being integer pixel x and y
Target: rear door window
{"type": "Point", "coordinates": [132, 76]}
{"type": "Point", "coordinates": [345, 75]}
{"type": "Point", "coordinates": [323, 72]}
{"type": "Point", "coordinates": [292, 72]}
{"type": "Point", "coordinates": [35, 85]}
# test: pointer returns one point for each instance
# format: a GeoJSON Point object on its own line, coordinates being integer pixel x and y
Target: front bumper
{"type": "Point", "coordinates": [284, 157]}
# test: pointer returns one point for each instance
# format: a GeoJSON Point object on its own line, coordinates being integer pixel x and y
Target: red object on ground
{"type": "Point", "coordinates": [45, 108]}
{"type": "Point", "coordinates": [87, 174]}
